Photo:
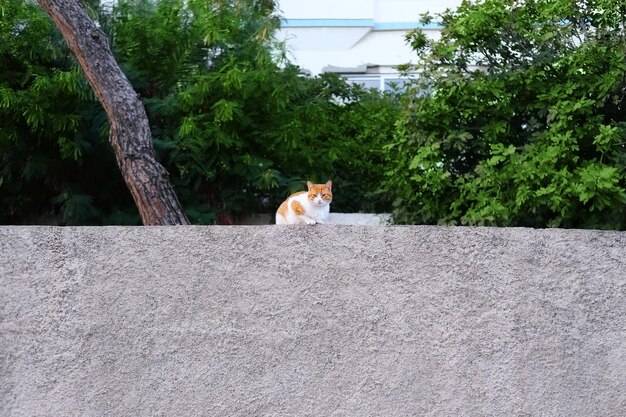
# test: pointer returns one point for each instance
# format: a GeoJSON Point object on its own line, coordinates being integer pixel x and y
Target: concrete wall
{"type": "Point", "coordinates": [312, 321]}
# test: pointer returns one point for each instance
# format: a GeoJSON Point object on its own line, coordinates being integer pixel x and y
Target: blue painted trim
{"type": "Point", "coordinates": [405, 26]}
{"type": "Point", "coordinates": [370, 23]}
{"type": "Point", "coordinates": [327, 22]}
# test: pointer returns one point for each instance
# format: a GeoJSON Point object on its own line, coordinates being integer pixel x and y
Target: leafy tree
{"type": "Point", "coordinates": [50, 129]}
{"type": "Point", "coordinates": [517, 118]}
{"type": "Point", "coordinates": [236, 126]}
{"type": "Point", "coordinates": [130, 135]}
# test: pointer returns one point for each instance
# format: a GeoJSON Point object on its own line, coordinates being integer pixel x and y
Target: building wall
{"type": "Point", "coordinates": [354, 36]}
{"type": "Point", "coordinates": [311, 321]}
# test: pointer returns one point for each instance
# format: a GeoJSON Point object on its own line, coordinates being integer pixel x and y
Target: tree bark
{"type": "Point", "coordinates": [130, 134]}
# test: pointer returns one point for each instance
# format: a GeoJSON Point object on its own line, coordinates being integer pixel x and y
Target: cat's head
{"type": "Point", "coordinates": [320, 194]}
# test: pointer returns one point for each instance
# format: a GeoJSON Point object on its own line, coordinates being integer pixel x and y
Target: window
{"type": "Point", "coordinates": [381, 82]}
{"type": "Point", "coordinates": [395, 84]}
{"type": "Point", "coordinates": [365, 81]}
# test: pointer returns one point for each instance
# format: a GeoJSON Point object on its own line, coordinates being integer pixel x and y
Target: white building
{"type": "Point", "coordinates": [361, 39]}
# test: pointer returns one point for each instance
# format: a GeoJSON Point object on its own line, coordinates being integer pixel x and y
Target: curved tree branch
{"type": "Point", "coordinates": [130, 134]}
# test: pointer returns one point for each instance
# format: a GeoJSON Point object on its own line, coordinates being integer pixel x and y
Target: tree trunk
{"type": "Point", "coordinates": [130, 133]}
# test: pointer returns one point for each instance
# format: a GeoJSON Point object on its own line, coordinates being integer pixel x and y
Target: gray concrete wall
{"type": "Point", "coordinates": [312, 321]}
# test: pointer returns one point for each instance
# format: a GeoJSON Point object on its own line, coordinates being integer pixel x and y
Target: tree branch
{"type": "Point", "coordinates": [130, 134]}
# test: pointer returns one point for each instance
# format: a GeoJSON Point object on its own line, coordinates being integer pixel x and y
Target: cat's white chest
{"type": "Point", "coordinates": [319, 213]}
{"type": "Point", "coordinates": [313, 211]}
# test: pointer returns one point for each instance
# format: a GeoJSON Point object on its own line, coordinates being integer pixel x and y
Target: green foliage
{"type": "Point", "coordinates": [235, 125]}
{"type": "Point", "coordinates": [49, 128]}
{"type": "Point", "coordinates": [517, 118]}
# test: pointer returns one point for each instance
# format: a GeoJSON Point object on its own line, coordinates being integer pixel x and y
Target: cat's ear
{"type": "Point", "coordinates": [309, 185]}
{"type": "Point", "coordinates": [329, 185]}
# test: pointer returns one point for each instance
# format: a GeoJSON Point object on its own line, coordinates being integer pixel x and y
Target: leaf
{"type": "Point", "coordinates": [224, 110]}
{"type": "Point", "coordinates": [415, 162]}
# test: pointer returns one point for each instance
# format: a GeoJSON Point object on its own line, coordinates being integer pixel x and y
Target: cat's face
{"type": "Point", "coordinates": [320, 195]}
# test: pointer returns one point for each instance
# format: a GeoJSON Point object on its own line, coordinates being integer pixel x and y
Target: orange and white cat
{"type": "Point", "coordinates": [306, 207]}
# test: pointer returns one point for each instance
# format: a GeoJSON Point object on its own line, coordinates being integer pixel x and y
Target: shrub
{"type": "Point", "coordinates": [517, 118]}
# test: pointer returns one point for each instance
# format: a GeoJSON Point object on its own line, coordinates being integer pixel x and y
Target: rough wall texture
{"type": "Point", "coordinates": [312, 321]}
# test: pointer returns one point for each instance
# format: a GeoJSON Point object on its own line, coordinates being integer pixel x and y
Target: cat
{"type": "Point", "coordinates": [307, 207]}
